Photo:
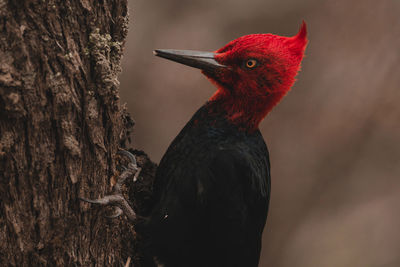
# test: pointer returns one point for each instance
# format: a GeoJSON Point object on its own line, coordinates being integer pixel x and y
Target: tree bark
{"type": "Point", "coordinates": [60, 128]}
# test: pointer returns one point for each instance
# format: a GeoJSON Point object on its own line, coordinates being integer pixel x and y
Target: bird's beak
{"type": "Point", "coordinates": [196, 59]}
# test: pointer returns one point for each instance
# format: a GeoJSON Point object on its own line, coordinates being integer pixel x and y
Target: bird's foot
{"type": "Point", "coordinates": [116, 199]}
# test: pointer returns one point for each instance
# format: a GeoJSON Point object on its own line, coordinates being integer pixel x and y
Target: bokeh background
{"type": "Point", "coordinates": [334, 140]}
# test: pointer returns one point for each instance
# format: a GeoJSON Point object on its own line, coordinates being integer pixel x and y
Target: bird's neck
{"type": "Point", "coordinates": [246, 112]}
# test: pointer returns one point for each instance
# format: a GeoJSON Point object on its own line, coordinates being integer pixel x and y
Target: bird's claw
{"type": "Point", "coordinates": [116, 199]}
{"type": "Point", "coordinates": [129, 155]}
{"type": "Point", "coordinates": [118, 212]}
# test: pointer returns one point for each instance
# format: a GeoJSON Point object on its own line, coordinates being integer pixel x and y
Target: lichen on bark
{"type": "Point", "coordinates": [61, 124]}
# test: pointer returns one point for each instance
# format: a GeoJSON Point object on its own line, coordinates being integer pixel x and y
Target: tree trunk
{"type": "Point", "coordinates": [60, 128]}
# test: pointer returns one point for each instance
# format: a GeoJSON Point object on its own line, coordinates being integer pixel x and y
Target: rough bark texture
{"type": "Point", "coordinates": [60, 128]}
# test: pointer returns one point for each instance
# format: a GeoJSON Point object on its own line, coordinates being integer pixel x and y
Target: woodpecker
{"type": "Point", "coordinates": [212, 186]}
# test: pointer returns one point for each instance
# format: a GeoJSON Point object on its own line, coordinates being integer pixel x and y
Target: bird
{"type": "Point", "coordinates": [212, 187]}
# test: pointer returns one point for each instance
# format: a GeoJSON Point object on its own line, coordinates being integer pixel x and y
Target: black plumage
{"type": "Point", "coordinates": [211, 191]}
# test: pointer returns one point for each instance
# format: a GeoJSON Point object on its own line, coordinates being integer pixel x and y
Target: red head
{"type": "Point", "coordinates": [252, 73]}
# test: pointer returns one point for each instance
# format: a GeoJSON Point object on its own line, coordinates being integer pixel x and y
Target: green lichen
{"type": "Point", "coordinates": [104, 44]}
{"type": "Point", "coordinates": [86, 51]}
{"type": "Point", "coordinates": [106, 53]}
{"type": "Point", "coordinates": [68, 56]}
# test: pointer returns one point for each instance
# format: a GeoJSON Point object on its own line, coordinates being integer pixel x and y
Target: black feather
{"type": "Point", "coordinates": [212, 192]}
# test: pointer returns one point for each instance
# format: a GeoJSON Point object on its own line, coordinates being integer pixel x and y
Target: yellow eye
{"type": "Point", "coordinates": [251, 63]}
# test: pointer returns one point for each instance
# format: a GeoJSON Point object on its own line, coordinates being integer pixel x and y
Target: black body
{"type": "Point", "coordinates": [212, 192]}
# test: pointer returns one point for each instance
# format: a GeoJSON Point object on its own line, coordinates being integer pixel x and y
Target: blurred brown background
{"type": "Point", "coordinates": [334, 140]}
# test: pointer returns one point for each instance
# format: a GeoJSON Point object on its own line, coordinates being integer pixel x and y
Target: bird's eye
{"type": "Point", "coordinates": [251, 63]}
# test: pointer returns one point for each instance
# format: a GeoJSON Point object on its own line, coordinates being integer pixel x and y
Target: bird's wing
{"type": "Point", "coordinates": [241, 182]}
{"type": "Point", "coordinates": [215, 204]}
{"type": "Point", "coordinates": [235, 203]}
